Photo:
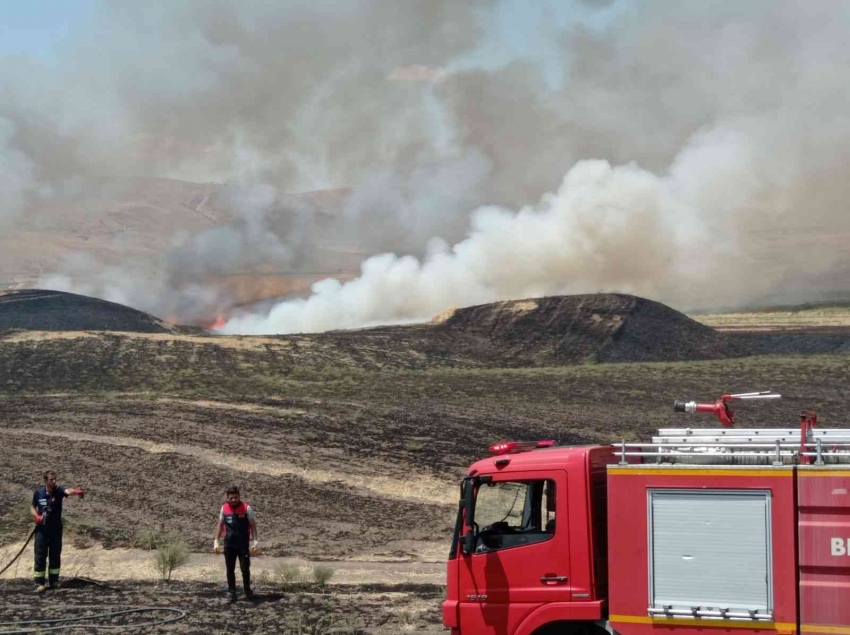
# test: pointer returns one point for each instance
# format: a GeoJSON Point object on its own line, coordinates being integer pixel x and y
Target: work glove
{"type": "Point", "coordinates": [255, 547]}
{"type": "Point", "coordinates": [216, 546]}
{"type": "Point", "coordinates": [38, 519]}
{"type": "Point", "coordinates": [81, 493]}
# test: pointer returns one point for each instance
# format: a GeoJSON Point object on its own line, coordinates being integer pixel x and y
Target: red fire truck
{"type": "Point", "coordinates": [699, 531]}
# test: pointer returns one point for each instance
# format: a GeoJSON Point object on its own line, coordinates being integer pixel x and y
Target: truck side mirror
{"type": "Point", "coordinates": [468, 543]}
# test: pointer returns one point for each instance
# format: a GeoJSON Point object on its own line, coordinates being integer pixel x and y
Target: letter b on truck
{"type": "Point", "coordinates": [839, 547]}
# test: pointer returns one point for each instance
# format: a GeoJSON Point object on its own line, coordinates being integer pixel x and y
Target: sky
{"type": "Point", "coordinates": [38, 30]}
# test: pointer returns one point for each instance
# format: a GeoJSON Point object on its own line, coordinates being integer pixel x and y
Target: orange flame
{"type": "Point", "coordinates": [219, 323]}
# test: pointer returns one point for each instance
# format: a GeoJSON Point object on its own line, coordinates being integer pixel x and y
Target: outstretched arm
{"type": "Point", "coordinates": [74, 491]}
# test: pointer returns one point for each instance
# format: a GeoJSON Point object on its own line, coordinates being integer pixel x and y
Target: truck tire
{"type": "Point", "coordinates": [570, 628]}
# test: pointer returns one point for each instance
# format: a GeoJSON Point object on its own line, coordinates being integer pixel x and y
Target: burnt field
{"type": "Point", "coordinates": [299, 610]}
{"type": "Point", "coordinates": [342, 462]}
{"type": "Point", "coordinates": [349, 449]}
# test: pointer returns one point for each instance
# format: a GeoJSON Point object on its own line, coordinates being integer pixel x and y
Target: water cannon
{"type": "Point", "coordinates": [720, 408]}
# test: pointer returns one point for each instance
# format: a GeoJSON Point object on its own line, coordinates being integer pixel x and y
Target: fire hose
{"type": "Point", "coordinates": [35, 626]}
{"type": "Point", "coordinates": [18, 555]}
{"type": "Point", "coordinates": [38, 626]}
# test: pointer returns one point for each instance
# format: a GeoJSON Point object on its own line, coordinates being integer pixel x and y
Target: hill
{"type": "Point", "coordinates": [40, 310]}
{"type": "Point", "coordinates": [550, 331]}
{"type": "Point", "coordinates": [584, 328]}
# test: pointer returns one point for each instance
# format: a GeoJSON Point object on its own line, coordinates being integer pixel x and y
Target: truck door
{"type": "Point", "coordinates": [520, 554]}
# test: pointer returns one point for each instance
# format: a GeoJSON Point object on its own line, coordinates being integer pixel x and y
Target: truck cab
{"type": "Point", "coordinates": [528, 555]}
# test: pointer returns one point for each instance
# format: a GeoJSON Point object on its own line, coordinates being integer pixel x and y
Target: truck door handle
{"type": "Point", "coordinates": [549, 579]}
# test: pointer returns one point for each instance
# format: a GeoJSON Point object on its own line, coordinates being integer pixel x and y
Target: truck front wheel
{"type": "Point", "coordinates": [570, 628]}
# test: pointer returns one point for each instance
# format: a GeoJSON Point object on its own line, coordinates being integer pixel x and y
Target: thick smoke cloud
{"type": "Point", "coordinates": [272, 232]}
{"type": "Point", "coordinates": [267, 97]}
{"type": "Point", "coordinates": [723, 126]}
{"type": "Point", "coordinates": [737, 110]}
{"type": "Point", "coordinates": [593, 228]}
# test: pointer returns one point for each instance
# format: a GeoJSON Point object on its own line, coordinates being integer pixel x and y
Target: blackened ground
{"type": "Point", "coordinates": [552, 331]}
{"type": "Point", "coordinates": [359, 443]}
{"type": "Point", "coordinates": [579, 328]}
{"type": "Point", "coordinates": [131, 488]}
{"type": "Point", "coordinates": [300, 610]}
{"type": "Point", "coordinates": [42, 310]}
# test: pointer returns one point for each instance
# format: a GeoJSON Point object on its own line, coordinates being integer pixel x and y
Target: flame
{"type": "Point", "coordinates": [219, 323]}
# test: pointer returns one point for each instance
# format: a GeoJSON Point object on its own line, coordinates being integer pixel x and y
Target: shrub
{"type": "Point", "coordinates": [169, 557]}
{"type": "Point", "coordinates": [322, 574]}
{"type": "Point", "coordinates": [286, 573]}
{"type": "Point", "coordinates": [149, 538]}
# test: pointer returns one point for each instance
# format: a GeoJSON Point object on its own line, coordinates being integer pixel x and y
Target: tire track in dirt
{"type": "Point", "coordinates": [414, 488]}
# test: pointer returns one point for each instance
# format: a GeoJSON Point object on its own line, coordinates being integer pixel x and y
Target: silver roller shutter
{"type": "Point", "coordinates": [710, 548]}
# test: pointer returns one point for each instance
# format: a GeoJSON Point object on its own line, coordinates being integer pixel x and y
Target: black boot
{"type": "Point", "coordinates": [249, 594]}
{"type": "Point", "coordinates": [231, 594]}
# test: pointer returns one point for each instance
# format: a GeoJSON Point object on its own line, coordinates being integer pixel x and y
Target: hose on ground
{"type": "Point", "coordinates": [36, 626]}
{"type": "Point", "coordinates": [18, 555]}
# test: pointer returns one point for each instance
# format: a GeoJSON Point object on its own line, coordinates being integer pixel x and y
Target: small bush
{"type": "Point", "coordinates": [286, 573]}
{"type": "Point", "coordinates": [322, 574]}
{"type": "Point", "coordinates": [169, 557]}
{"type": "Point", "coordinates": [149, 538]}
{"type": "Point", "coordinates": [406, 618]}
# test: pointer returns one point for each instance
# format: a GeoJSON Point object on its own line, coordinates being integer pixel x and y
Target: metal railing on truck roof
{"type": "Point", "coordinates": [736, 446]}
{"type": "Point", "coordinates": [711, 446]}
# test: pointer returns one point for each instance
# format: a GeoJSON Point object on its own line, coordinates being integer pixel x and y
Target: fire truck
{"type": "Point", "coordinates": [696, 532]}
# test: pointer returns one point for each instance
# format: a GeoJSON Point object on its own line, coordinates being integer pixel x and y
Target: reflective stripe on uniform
{"type": "Point", "coordinates": [52, 571]}
{"type": "Point", "coordinates": [39, 574]}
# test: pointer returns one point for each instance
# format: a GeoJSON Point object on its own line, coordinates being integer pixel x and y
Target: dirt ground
{"type": "Point", "coordinates": [129, 564]}
{"type": "Point", "coordinates": [349, 452]}
{"type": "Point", "coordinates": [299, 610]}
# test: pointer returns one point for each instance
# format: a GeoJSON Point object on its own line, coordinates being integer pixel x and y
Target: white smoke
{"type": "Point", "coordinates": [601, 227]}
{"type": "Point", "coordinates": [17, 176]}
{"type": "Point", "coordinates": [616, 229]}
{"type": "Point", "coordinates": [726, 122]}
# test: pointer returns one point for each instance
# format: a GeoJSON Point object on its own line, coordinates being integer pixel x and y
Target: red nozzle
{"type": "Point", "coordinates": [720, 408]}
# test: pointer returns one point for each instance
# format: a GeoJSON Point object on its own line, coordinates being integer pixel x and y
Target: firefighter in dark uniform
{"type": "Point", "coordinates": [46, 511]}
{"type": "Point", "coordinates": [236, 523]}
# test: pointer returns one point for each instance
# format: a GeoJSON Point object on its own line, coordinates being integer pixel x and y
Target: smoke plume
{"type": "Point", "coordinates": [689, 152]}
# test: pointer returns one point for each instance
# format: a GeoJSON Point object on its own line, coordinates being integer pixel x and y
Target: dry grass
{"type": "Point", "coordinates": [224, 405]}
{"type": "Point", "coordinates": [773, 320]}
{"type": "Point", "coordinates": [415, 488]}
{"type": "Point", "coordinates": [233, 342]}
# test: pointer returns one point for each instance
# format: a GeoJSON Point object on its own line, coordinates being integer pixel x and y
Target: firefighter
{"type": "Point", "coordinates": [46, 510]}
{"type": "Point", "coordinates": [236, 523]}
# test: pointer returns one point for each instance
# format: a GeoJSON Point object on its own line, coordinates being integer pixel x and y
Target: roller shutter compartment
{"type": "Point", "coordinates": [710, 551]}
